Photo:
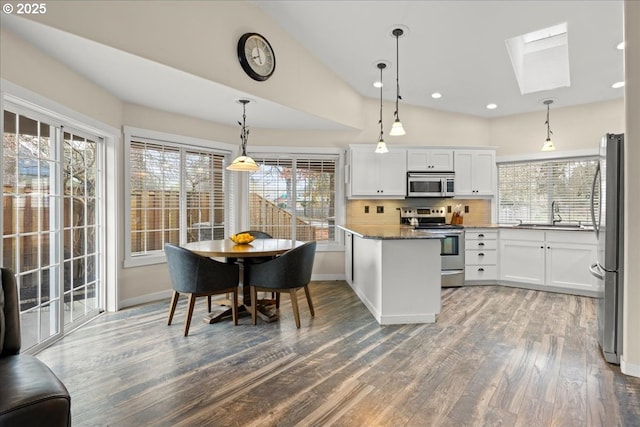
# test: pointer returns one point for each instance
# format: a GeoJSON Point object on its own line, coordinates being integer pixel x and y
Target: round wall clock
{"type": "Point", "coordinates": [256, 56]}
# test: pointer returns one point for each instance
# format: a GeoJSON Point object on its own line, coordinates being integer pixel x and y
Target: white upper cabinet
{"type": "Point", "coordinates": [475, 172]}
{"type": "Point", "coordinates": [377, 175]}
{"type": "Point", "coordinates": [429, 160]}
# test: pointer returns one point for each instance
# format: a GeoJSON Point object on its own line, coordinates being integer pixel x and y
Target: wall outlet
{"type": "Point", "coordinates": [449, 209]}
{"type": "Point", "coordinates": [366, 209]}
{"type": "Point", "coordinates": [379, 209]}
{"type": "Point", "coordinates": [466, 209]}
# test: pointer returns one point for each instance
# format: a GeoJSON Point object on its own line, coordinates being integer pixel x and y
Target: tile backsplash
{"type": "Point", "coordinates": [479, 210]}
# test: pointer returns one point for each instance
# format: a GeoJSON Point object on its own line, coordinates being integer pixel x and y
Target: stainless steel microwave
{"type": "Point", "coordinates": [430, 184]}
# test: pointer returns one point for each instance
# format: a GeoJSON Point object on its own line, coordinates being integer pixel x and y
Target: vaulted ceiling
{"type": "Point", "coordinates": [456, 48]}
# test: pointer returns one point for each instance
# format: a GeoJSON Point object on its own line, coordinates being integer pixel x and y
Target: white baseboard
{"type": "Point", "coordinates": [158, 296]}
{"type": "Point", "coordinates": [320, 277]}
{"type": "Point", "coordinates": [627, 368]}
{"type": "Point", "coordinates": [144, 299]}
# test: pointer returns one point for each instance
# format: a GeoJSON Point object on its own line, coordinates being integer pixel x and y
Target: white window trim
{"type": "Point", "coordinates": [553, 155]}
{"type": "Point", "coordinates": [341, 205]}
{"type": "Point", "coordinates": [57, 113]}
{"type": "Point", "coordinates": [180, 141]}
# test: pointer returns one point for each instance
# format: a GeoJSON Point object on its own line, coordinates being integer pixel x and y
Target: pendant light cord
{"type": "Point", "coordinates": [397, 32]}
{"type": "Point", "coordinates": [244, 135]}
{"type": "Point", "coordinates": [548, 123]}
{"type": "Point", "coordinates": [381, 66]}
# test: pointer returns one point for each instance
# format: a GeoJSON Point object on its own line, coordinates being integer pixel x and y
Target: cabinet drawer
{"type": "Point", "coordinates": [487, 272]}
{"type": "Point", "coordinates": [481, 235]}
{"type": "Point", "coordinates": [480, 257]}
{"type": "Point", "coordinates": [481, 244]}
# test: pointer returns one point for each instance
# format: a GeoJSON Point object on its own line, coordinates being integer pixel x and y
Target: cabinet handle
{"type": "Point", "coordinates": [480, 235]}
{"type": "Point", "coordinates": [548, 247]}
{"type": "Point", "coordinates": [481, 269]}
{"type": "Point", "coordinates": [480, 244]}
{"type": "Point", "coordinates": [481, 254]}
{"type": "Point", "coordinates": [541, 247]}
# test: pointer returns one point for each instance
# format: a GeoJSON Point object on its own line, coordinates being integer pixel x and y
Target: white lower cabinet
{"type": "Point", "coordinates": [480, 256]}
{"type": "Point", "coordinates": [568, 257]}
{"type": "Point", "coordinates": [548, 259]}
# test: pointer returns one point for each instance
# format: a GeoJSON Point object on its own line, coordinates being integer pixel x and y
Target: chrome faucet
{"type": "Point", "coordinates": [555, 209]}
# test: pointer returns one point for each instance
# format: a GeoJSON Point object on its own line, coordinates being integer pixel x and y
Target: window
{"type": "Point", "coordinates": [176, 195]}
{"type": "Point", "coordinates": [294, 197]}
{"type": "Point", "coordinates": [52, 229]}
{"type": "Point", "coordinates": [527, 190]}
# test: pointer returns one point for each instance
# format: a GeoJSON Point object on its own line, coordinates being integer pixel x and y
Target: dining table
{"type": "Point", "coordinates": [258, 248]}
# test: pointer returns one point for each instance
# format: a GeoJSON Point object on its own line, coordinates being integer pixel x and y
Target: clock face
{"type": "Point", "coordinates": [256, 56]}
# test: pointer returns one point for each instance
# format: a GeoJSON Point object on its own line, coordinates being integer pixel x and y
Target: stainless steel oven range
{"type": "Point", "coordinates": [452, 250]}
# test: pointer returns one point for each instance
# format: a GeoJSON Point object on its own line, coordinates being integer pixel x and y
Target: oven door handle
{"type": "Point", "coordinates": [450, 272]}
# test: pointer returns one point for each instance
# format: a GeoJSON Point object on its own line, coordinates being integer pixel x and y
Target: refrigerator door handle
{"type": "Point", "coordinates": [595, 271]}
{"type": "Point", "coordinates": [596, 226]}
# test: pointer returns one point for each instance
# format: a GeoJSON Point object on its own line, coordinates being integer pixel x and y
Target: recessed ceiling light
{"type": "Point", "coordinates": [378, 84]}
{"type": "Point", "coordinates": [617, 85]}
{"type": "Point", "coordinates": [492, 106]}
{"type": "Point", "coordinates": [436, 95]}
{"type": "Point", "coordinates": [620, 46]}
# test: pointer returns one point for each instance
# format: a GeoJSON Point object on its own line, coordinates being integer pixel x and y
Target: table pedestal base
{"type": "Point", "coordinates": [266, 311]}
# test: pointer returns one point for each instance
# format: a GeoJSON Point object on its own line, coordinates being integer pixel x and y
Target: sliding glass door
{"type": "Point", "coordinates": [51, 227]}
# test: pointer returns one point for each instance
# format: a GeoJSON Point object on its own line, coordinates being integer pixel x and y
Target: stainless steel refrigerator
{"type": "Point", "coordinates": [607, 214]}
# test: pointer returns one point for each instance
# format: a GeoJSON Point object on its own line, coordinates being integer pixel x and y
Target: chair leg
{"type": "Point", "coordinates": [277, 300]}
{"type": "Point", "coordinates": [209, 303]}
{"type": "Point", "coordinates": [308, 294]}
{"type": "Point", "coordinates": [172, 308]}
{"type": "Point", "coordinates": [234, 306]}
{"type": "Point", "coordinates": [254, 306]}
{"type": "Point", "coordinates": [294, 304]}
{"type": "Point", "coordinates": [187, 320]}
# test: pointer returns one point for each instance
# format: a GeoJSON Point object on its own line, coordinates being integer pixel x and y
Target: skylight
{"type": "Point", "coordinates": [540, 59]}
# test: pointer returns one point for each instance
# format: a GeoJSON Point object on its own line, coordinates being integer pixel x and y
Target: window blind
{"type": "Point", "coordinates": [294, 197]}
{"type": "Point", "coordinates": [174, 191]}
{"type": "Point", "coordinates": [527, 190]}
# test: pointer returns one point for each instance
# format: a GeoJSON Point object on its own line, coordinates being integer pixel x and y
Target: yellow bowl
{"type": "Point", "coordinates": [242, 238]}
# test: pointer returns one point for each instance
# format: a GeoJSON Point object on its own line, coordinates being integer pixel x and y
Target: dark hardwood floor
{"type": "Point", "coordinates": [496, 356]}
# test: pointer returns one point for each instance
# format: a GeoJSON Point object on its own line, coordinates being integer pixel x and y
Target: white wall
{"type": "Point", "coordinates": [574, 128]}
{"type": "Point", "coordinates": [631, 336]}
{"type": "Point", "coordinates": [200, 37]}
{"type": "Point", "coordinates": [26, 66]}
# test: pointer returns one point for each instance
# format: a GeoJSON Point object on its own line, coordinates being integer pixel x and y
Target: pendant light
{"type": "Point", "coordinates": [243, 163]}
{"type": "Point", "coordinates": [381, 147]}
{"type": "Point", "coordinates": [397, 128]}
{"type": "Point", "coordinates": [548, 144]}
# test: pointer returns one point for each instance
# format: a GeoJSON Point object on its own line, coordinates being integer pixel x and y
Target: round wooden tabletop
{"type": "Point", "coordinates": [257, 248]}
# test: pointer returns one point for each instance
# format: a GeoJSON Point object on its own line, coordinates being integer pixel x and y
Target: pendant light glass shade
{"type": "Point", "coordinates": [243, 163]}
{"type": "Point", "coordinates": [397, 129]}
{"type": "Point", "coordinates": [381, 147]}
{"type": "Point", "coordinates": [548, 144]}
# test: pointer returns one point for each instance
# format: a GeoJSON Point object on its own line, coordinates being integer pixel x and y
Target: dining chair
{"type": "Point", "coordinates": [199, 276]}
{"type": "Point", "coordinates": [288, 272]}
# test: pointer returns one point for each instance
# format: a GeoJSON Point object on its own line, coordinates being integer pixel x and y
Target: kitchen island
{"type": "Point", "coordinates": [395, 271]}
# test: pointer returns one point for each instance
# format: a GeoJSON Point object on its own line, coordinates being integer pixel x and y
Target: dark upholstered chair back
{"type": "Point", "coordinates": [290, 270]}
{"type": "Point", "coordinates": [193, 273]}
{"type": "Point", "coordinates": [9, 315]}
